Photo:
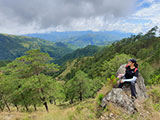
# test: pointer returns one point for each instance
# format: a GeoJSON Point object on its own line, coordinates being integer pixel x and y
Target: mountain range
{"type": "Point", "coordinates": [82, 38]}
{"type": "Point", "coordinates": [62, 46]}
{"type": "Point", "coordinates": [13, 46]}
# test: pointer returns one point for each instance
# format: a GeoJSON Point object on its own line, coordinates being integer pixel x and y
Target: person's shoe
{"type": "Point", "coordinates": [133, 98]}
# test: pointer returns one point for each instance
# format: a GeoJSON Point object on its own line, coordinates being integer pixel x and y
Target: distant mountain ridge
{"type": "Point", "coordinates": [83, 38]}
{"type": "Point", "coordinates": [13, 46]}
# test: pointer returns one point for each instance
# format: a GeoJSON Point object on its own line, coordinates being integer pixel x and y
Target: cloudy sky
{"type": "Point", "coordinates": [40, 16]}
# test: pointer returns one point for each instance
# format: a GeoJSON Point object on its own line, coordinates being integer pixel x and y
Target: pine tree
{"type": "Point", "coordinates": [29, 83]}
{"type": "Point", "coordinates": [79, 87]}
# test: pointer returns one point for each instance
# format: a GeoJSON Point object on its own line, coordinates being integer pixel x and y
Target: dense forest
{"type": "Point", "coordinates": [143, 47]}
{"type": "Point", "coordinates": [12, 46]}
{"type": "Point", "coordinates": [89, 50]}
{"type": "Point", "coordinates": [35, 80]}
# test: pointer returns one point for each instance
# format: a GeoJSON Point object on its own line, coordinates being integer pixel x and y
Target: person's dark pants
{"type": "Point", "coordinates": [132, 87]}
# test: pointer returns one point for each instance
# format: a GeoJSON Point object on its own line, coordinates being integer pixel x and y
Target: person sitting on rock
{"type": "Point", "coordinates": [130, 76]}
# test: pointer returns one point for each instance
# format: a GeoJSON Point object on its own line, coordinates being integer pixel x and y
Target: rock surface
{"type": "Point", "coordinates": [118, 97]}
{"type": "Point", "coordinates": [140, 86]}
{"type": "Point", "coordinates": [121, 97]}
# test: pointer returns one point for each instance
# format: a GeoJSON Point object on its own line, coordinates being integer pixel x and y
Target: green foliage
{"type": "Point", "coordinates": [109, 68]}
{"type": "Point", "coordinates": [12, 46]}
{"type": "Point", "coordinates": [4, 62]}
{"type": "Point", "coordinates": [112, 81]}
{"type": "Point", "coordinates": [27, 78]}
{"type": "Point", "coordinates": [97, 84]}
{"type": "Point", "coordinates": [144, 53]}
{"type": "Point", "coordinates": [155, 94]}
{"type": "Point", "coordinates": [79, 87]}
{"type": "Point", "coordinates": [147, 71]}
{"type": "Point", "coordinates": [99, 99]}
{"type": "Point", "coordinates": [90, 50]}
{"type": "Point", "coordinates": [157, 106]}
{"type": "Point", "coordinates": [145, 48]}
{"type": "Point", "coordinates": [156, 55]}
{"type": "Point", "coordinates": [154, 80]}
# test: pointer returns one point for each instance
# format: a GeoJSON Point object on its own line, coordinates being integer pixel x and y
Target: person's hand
{"type": "Point", "coordinates": [121, 81]}
{"type": "Point", "coordinates": [118, 82]}
{"type": "Point", "coordinates": [120, 75]}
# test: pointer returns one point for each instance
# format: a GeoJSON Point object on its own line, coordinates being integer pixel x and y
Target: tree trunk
{"type": "Point", "coordinates": [44, 102]}
{"type": "Point", "coordinates": [24, 103]}
{"type": "Point", "coordinates": [46, 106]}
{"type": "Point", "coordinates": [54, 101]}
{"type": "Point", "coordinates": [80, 96]}
{"type": "Point", "coordinates": [71, 101]}
{"type": "Point", "coordinates": [35, 108]}
{"type": "Point", "coordinates": [80, 93]}
{"type": "Point", "coordinates": [1, 108]}
{"type": "Point", "coordinates": [17, 107]}
{"type": "Point", "coordinates": [43, 98]}
{"type": "Point", "coordinates": [5, 102]}
{"type": "Point", "coordinates": [51, 101]}
{"type": "Point", "coordinates": [26, 108]}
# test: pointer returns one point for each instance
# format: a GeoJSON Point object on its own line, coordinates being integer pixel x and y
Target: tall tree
{"type": "Point", "coordinates": [79, 87]}
{"type": "Point", "coordinates": [30, 80]}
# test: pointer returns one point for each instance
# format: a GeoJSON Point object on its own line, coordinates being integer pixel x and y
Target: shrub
{"type": "Point", "coordinates": [99, 99]}
{"type": "Point", "coordinates": [155, 80]}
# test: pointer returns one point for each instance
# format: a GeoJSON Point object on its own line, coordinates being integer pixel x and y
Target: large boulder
{"type": "Point", "coordinates": [118, 97]}
{"type": "Point", "coordinates": [140, 86]}
{"type": "Point", "coordinates": [122, 97]}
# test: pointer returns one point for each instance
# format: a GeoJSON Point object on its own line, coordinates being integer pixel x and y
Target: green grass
{"type": "Point", "coordinates": [87, 110]}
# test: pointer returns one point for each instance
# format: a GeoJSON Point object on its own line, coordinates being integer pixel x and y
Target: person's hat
{"type": "Point", "coordinates": [133, 60]}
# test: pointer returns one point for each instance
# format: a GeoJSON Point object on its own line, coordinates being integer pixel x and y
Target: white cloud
{"type": "Point", "coordinates": [27, 16]}
{"type": "Point", "coordinates": [31, 16]}
{"type": "Point", "coordinates": [150, 16]}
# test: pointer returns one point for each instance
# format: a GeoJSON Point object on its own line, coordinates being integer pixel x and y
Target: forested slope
{"type": "Point", "coordinates": [12, 46]}
{"type": "Point", "coordinates": [78, 87]}
{"type": "Point", "coordinates": [146, 48]}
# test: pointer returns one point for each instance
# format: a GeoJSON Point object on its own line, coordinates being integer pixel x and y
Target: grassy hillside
{"type": "Point", "coordinates": [12, 46]}
{"type": "Point", "coordinates": [88, 110]}
{"type": "Point", "coordinates": [77, 90]}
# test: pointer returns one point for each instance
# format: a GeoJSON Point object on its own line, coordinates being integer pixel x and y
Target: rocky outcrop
{"type": "Point", "coordinates": [140, 86]}
{"type": "Point", "coordinates": [122, 97]}
{"type": "Point", "coordinates": [118, 97]}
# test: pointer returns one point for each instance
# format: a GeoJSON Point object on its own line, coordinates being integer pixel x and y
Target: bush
{"type": "Point", "coordinates": [99, 99]}
{"type": "Point", "coordinates": [155, 80]}
{"type": "Point", "coordinates": [146, 70]}
{"type": "Point", "coordinates": [155, 93]}
{"type": "Point", "coordinates": [157, 106]}
{"type": "Point", "coordinates": [112, 81]}
{"type": "Point", "coordinates": [109, 68]}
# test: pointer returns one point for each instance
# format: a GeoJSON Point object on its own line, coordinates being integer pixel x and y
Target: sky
{"type": "Point", "coordinates": [43, 16]}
